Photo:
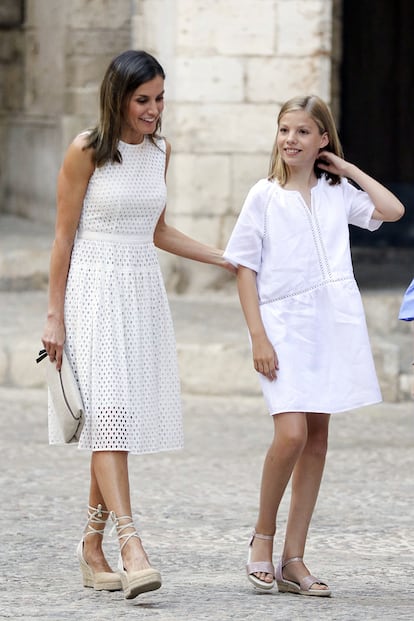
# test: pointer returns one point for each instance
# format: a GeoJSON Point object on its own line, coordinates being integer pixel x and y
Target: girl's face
{"type": "Point", "coordinates": [142, 110]}
{"type": "Point", "coordinates": [299, 139]}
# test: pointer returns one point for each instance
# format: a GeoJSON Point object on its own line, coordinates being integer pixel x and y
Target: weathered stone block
{"type": "Point", "coordinates": [3, 367]}
{"type": "Point", "coordinates": [183, 275]}
{"type": "Point", "coordinates": [198, 184]}
{"type": "Point", "coordinates": [32, 184]}
{"type": "Point", "coordinates": [213, 366]}
{"type": "Point", "coordinates": [44, 70]}
{"type": "Point", "coordinates": [208, 79]}
{"type": "Point", "coordinates": [11, 92]}
{"type": "Point", "coordinates": [382, 310]}
{"type": "Point", "coordinates": [220, 128]}
{"type": "Point", "coordinates": [277, 79]}
{"type": "Point", "coordinates": [387, 364]}
{"type": "Point", "coordinates": [304, 27]}
{"type": "Point", "coordinates": [11, 46]}
{"type": "Point", "coordinates": [246, 170]}
{"type": "Point", "coordinates": [23, 371]}
{"type": "Point", "coordinates": [72, 125]}
{"type": "Point", "coordinates": [204, 229]}
{"type": "Point", "coordinates": [11, 13]}
{"type": "Point", "coordinates": [228, 27]}
{"type": "Point", "coordinates": [406, 386]}
{"type": "Point", "coordinates": [104, 42]}
{"type": "Point", "coordinates": [86, 71]}
{"type": "Point", "coordinates": [153, 28]}
{"type": "Point", "coordinates": [80, 99]}
{"type": "Point", "coordinates": [98, 13]}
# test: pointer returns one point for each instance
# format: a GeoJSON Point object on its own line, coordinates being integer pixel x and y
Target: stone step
{"type": "Point", "coordinates": [24, 254]}
{"type": "Point", "coordinates": [213, 350]}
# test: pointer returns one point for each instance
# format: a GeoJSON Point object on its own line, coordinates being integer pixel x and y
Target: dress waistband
{"type": "Point", "coordinates": [118, 238]}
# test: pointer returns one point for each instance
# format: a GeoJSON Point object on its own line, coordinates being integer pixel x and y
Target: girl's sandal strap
{"type": "Point", "coordinates": [292, 560]}
{"type": "Point", "coordinates": [265, 567]}
{"type": "Point", "coordinates": [308, 581]}
{"type": "Point", "coordinates": [255, 535]}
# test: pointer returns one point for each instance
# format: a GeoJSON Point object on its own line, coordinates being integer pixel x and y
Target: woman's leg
{"type": "Point", "coordinates": [290, 435]}
{"type": "Point", "coordinates": [110, 470]}
{"type": "Point", "coordinates": [92, 546]}
{"type": "Point", "coordinates": [306, 480]}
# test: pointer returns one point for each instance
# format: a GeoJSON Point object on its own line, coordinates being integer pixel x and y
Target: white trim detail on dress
{"type": "Point", "coordinates": [318, 285]}
{"type": "Point", "coordinates": [115, 237]}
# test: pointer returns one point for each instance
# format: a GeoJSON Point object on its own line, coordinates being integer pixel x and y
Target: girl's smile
{"type": "Point", "coordinates": [299, 139]}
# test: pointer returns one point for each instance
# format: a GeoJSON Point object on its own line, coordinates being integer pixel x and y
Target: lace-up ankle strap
{"type": "Point", "coordinates": [95, 517]}
{"type": "Point", "coordinates": [120, 528]}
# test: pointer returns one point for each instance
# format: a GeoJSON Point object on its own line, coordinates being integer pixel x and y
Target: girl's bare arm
{"type": "Point", "coordinates": [387, 206]}
{"type": "Point", "coordinates": [264, 356]}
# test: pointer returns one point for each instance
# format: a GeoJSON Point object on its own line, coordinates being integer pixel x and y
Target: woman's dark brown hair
{"type": "Point", "coordinates": [124, 75]}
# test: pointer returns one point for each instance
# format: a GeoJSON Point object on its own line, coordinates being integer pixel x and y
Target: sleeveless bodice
{"type": "Point", "coordinates": [127, 198]}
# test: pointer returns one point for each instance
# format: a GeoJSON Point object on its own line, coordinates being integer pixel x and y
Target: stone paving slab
{"type": "Point", "coordinates": [195, 509]}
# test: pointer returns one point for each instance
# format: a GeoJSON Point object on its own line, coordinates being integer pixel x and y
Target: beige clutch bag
{"type": "Point", "coordinates": [65, 396]}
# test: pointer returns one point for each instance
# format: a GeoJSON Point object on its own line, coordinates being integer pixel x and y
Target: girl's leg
{"type": "Point", "coordinates": [307, 476]}
{"type": "Point", "coordinates": [290, 435]}
{"type": "Point", "coordinates": [110, 474]}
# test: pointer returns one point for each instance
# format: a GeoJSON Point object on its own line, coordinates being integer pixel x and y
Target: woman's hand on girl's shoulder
{"type": "Point", "coordinates": [229, 267]}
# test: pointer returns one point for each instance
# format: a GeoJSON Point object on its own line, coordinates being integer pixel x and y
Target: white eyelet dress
{"type": "Point", "coordinates": [119, 332]}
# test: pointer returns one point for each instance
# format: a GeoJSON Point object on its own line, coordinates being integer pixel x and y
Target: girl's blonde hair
{"type": "Point", "coordinates": [321, 114]}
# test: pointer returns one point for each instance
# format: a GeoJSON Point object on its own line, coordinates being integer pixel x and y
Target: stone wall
{"type": "Point", "coordinates": [229, 63]}
{"type": "Point", "coordinates": [64, 48]}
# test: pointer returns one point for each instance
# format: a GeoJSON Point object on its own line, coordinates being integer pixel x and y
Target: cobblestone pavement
{"type": "Point", "coordinates": [195, 509]}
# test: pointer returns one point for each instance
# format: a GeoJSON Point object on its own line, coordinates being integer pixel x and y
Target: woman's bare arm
{"type": "Point", "coordinates": [73, 180]}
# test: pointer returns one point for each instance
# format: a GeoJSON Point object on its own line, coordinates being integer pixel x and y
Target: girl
{"type": "Point", "coordinates": [305, 318]}
{"type": "Point", "coordinates": [108, 305]}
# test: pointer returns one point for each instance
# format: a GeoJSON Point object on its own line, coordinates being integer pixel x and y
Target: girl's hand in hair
{"type": "Point", "coordinates": [333, 163]}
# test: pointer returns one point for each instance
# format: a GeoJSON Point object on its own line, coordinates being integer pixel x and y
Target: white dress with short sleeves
{"type": "Point", "coordinates": [309, 300]}
{"type": "Point", "coordinates": [120, 339]}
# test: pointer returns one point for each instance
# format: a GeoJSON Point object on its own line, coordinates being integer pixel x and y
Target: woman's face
{"type": "Point", "coordinates": [299, 139]}
{"type": "Point", "coordinates": [142, 110]}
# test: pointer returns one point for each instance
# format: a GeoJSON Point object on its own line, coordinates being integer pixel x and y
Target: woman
{"type": "Point", "coordinates": [108, 306]}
